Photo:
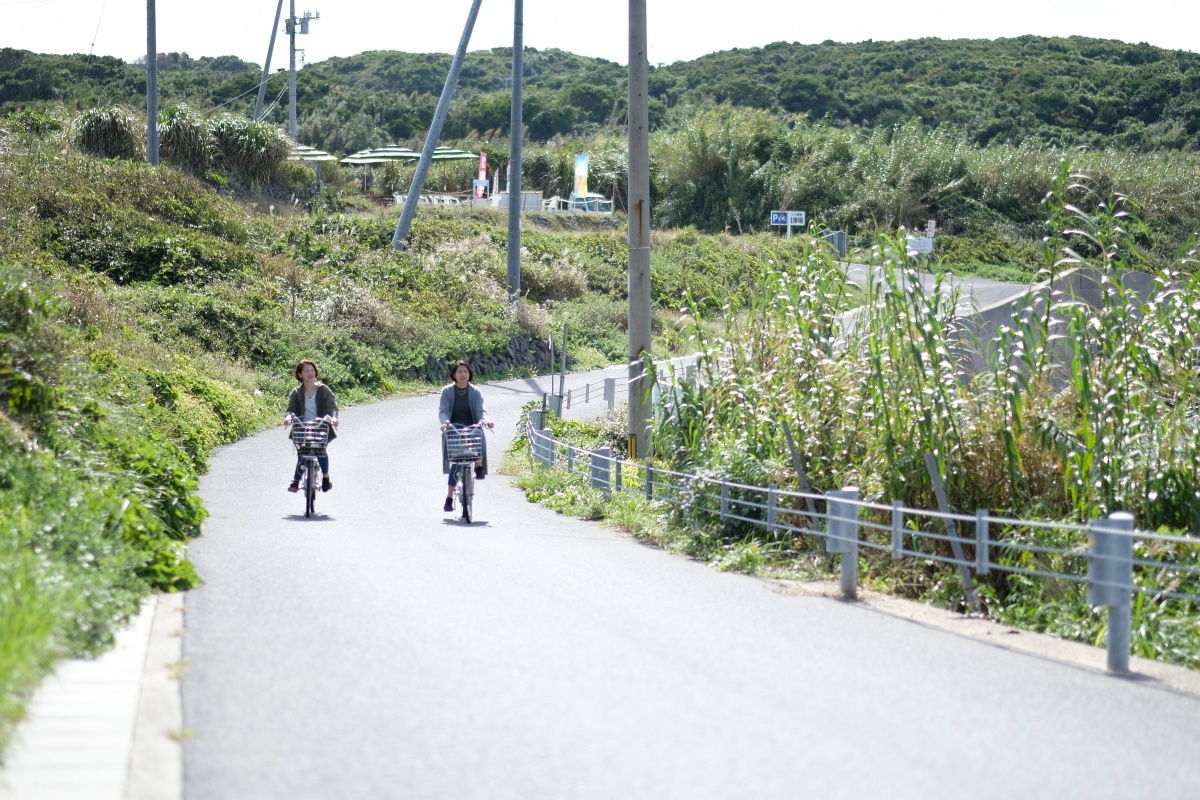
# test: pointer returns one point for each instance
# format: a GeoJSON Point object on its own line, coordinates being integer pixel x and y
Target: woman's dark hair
{"type": "Point", "coordinates": [454, 368]}
{"type": "Point", "coordinates": [300, 366]}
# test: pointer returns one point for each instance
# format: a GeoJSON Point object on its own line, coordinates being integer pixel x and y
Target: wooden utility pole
{"type": "Point", "coordinates": [639, 233]}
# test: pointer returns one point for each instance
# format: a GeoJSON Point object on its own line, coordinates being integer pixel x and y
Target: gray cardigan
{"type": "Point", "coordinates": [478, 413]}
{"type": "Point", "coordinates": [326, 405]}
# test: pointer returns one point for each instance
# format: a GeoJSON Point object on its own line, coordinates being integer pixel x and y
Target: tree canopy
{"type": "Point", "coordinates": [1064, 91]}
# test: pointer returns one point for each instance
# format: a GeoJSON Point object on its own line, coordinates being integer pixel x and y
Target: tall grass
{"type": "Point", "coordinates": [113, 132]}
{"type": "Point", "coordinates": [184, 139]}
{"type": "Point", "coordinates": [257, 150]}
{"type": "Point", "coordinates": [1084, 411]}
{"type": "Point", "coordinates": [725, 169]}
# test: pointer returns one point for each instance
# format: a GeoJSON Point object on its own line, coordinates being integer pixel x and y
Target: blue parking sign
{"type": "Point", "coordinates": [779, 218]}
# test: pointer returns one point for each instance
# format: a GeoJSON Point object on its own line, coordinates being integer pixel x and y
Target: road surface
{"type": "Point", "coordinates": [385, 650]}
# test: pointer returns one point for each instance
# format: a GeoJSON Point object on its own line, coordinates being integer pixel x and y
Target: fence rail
{"type": "Point", "coordinates": [1100, 554]}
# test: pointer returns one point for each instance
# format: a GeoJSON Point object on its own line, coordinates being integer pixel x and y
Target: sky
{"type": "Point", "coordinates": [678, 30]}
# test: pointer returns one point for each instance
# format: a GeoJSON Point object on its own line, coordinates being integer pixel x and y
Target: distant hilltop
{"type": "Point", "coordinates": [1060, 90]}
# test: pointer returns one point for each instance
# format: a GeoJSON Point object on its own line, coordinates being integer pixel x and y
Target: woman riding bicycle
{"type": "Point", "coordinates": [461, 405]}
{"type": "Point", "coordinates": [309, 401]}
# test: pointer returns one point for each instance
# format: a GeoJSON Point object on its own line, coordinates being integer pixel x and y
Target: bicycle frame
{"type": "Point", "coordinates": [464, 447]}
{"type": "Point", "coordinates": [310, 440]}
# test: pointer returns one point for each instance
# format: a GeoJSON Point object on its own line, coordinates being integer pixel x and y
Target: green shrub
{"type": "Point", "coordinates": [964, 254]}
{"type": "Point", "coordinates": [129, 247]}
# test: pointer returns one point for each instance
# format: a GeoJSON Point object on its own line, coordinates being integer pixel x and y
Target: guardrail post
{"type": "Point", "coordinates": [619, 462]}
{"type": "Point", "coordinates": [568, 398]}
{"type": "Point", "coordinates": [602, 469]}
{"type": "Point", "coordinates": [537, 419]}
{"type": "Point", "coordinates": [1110, 581]}
{"type": "Point", "coordinates": [546, 437]}
{"type": "Point", "coordinates": [772, 505]}
{"type": "Point", "coordinates": [570, 458]}
{"type": "Point", "coordinates": [587, 393]}
{"type": "Point", "coordinates": [556, 404]}
{"type": "Point", "coordinates": [649, 481]}
{"type": "Point", "coordinates": [897, 530]}
{"type": "Point", "coordinates": [610, 392]}
{"type": "Point", "coordinates": [724, 498]}
{"type": "Point", "coordinates": [842, 535]}
{"type": "Point", "coordinates": [982, 542]}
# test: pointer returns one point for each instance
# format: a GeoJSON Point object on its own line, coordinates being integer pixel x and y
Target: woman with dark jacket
{"type": "Point", "coordinates": [461, 404]}
{"type": "Point", "coordinates": [308, 401]}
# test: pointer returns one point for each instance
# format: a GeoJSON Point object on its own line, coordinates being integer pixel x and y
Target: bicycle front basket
{"type": "Point", "coordinates": [310, 438]}
{"type": "Point", "coordinates": [464, 445]}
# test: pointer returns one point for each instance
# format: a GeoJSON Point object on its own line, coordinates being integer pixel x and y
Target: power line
{"type": "Point", "coordinates": [240, 96]}
{"type": "Point", "coordinates": [96, 33]}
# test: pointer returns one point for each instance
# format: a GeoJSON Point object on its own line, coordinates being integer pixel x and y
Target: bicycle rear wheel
{"type": "Point", "coordinates": [310, 489]}
{"type": "Point", "coordinates": [468, 492]}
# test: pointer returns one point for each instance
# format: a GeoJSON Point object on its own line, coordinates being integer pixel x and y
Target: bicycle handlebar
{"type": "Point", "coordinates": [292, 419]}
{"type": "Point", "coordinates": [484, 424]}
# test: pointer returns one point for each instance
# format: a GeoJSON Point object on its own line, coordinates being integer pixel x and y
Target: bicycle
{"type": "Point", "coordinates": [464, 447]}
{"type": "Point", "coordinates": [310, 440]}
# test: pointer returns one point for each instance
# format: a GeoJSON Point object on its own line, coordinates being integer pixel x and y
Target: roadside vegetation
{"type": "Point", "coordinates": [1105, 418]}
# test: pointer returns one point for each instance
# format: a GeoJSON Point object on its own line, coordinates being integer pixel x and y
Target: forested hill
{"type": "Point", "coordinates": [1066, 91]}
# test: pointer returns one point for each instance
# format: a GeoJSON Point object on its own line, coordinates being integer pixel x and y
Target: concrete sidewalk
{"type": "Point", "coordinates": [105, 729]}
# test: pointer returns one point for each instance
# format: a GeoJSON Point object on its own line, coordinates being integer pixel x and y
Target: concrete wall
{"type": "Point", "coordinates": [979, 330]}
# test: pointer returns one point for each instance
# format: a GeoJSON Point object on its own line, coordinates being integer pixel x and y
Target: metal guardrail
{"type": "Point", "coordinates": [1114, 560]}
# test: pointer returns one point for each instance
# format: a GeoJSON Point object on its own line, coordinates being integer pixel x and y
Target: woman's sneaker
{"type": "Point", "coordinates": [449, 505]}
{"type": "Point", "coordinates": [326, 484]}
{"type": "Point", "coordinates": [294, 486]}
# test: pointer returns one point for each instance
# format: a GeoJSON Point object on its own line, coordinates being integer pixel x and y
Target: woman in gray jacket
{"type": "Point", "coordinates": [309, 401]}
{"type": "Point", "coordinates": [461, 404]}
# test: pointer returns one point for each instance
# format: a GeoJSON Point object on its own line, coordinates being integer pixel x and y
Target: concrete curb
{"type": "Point", "coordinates": [156, 762]}
{"type": "Point", "coordinates": [76, 740]}
{"type": "Point", "coordinates": [1155, 674]}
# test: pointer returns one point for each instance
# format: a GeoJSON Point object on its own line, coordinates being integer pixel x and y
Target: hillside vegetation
{"type": "Point", "coordinates": [1065, 91]}
{"type": "Point", "coordinates": [864, 137]}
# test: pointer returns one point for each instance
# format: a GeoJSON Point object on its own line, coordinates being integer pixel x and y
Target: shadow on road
{"type": "Point", "coordinates": [457, 522]}
{"type": "Point", "coordinates": [317, 518]}
{"type": "Point", "coordinates": [529, 386]}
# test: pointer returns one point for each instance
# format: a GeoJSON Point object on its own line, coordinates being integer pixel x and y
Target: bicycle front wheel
{"type": "Point", "coordinates": [310, 490]}
{"type": "Point", "coordinates": [468, 492]}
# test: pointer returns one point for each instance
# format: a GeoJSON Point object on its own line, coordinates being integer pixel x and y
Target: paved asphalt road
{"type": "Point", "coordinates": [978, 292]}
{"type": "Point", "coordinates": [387, 651]}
